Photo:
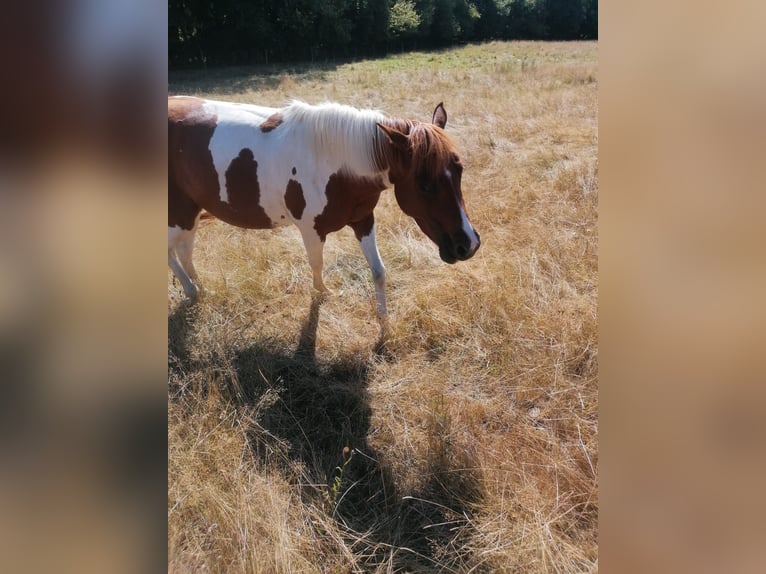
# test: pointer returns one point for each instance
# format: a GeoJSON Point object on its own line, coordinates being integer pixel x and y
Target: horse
{"type": "Point", "coordinates": [318, 167]}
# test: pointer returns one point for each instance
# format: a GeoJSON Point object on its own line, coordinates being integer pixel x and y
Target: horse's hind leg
{"type": "Point", "coordinates": [185, 248]}
{"type": "Point", "coordinates": [183, 218]}
{"type": "Point", "coordinates": [176, 238]}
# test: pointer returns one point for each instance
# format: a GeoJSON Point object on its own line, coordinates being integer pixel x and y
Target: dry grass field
{"type": "Point", "coordinates": [467, 441]}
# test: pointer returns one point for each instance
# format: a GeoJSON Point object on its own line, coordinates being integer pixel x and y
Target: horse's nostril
{"type": "Point", "coordinates": [462, 251]}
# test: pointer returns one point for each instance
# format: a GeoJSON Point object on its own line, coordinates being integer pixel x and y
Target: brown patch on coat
{"type": "Point", "coordinates": [191, 172]}
{"type": "Point", "coordinates": [364, 227]}
{"type": "Point", "coordinates": [294, 199]}
{"type": "Point", "coordinates": [244, 193]}
{"type": "Point", "coordinates": [350, 200]}
{"type": "Point", "coordinates": [193, 182]}
{"type": "Point", "coordinates": [272, 122]}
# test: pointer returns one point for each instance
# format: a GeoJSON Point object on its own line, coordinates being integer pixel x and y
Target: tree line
{"type": "Point", "coordinates": [224, 32]}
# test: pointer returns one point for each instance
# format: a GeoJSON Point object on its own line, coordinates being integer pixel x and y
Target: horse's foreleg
{"type": "Point", "coordinates": [365, 233]}
{"type": "Point", "coordinates": [314, 249]}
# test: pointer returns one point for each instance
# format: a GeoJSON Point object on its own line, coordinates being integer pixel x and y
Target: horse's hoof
{"type": "Point", "coordinates": [198, 294]}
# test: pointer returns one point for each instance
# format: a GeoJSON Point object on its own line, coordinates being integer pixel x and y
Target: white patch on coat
{"type": "Point", "coordinates": [236, 128]}
{"type": "Point", "coordinates": [309, 139]}
{"type": "Point", "coordinates": [469, 230]}
{"type": "Point", "coordinates": [180, 246]}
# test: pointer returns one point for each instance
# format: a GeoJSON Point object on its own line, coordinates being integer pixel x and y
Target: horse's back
{"type": "Point", "coordinates": [185, 109]}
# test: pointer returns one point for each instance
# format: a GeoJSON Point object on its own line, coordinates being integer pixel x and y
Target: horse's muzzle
{"type": "Point", "coordinates": [458, 247]}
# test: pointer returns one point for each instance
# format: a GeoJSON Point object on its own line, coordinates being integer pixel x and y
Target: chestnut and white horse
{"type": "Point", "coordinates": [318, 167]}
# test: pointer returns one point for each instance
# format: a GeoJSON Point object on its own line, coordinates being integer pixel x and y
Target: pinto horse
{"type": "Point", "coordinates": [317, 167]}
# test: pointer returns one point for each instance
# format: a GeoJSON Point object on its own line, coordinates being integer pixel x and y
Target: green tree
{"type": "Point", "coordinates": [404, 19]}
{"type": "Point", "coordinates": [444, 27]}
{"type": "Point", "coordinates": [425, 10]}
{"type": "Point", "coordinates": [371, 25]}
{"type": "Point", "coordinates": [452, 20]}
{"type": "Point", "coordinates": [489, 25]}
{"type": "Point", "coordinates": [219, 32]}
{"type": "Point", "coordinates": [466, 16]}
{"type": "Point", "coordinates": [332, 27]}
{"type": "Point", "coordinates": [294, 30]}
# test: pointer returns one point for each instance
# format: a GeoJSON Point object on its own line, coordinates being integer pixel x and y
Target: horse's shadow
{"type": "Point", "coordinates": [317, 413]}
{"type": "Point", "coordinates": [181, 324]}
{"type": "Point", "coordinates": [316, 408]}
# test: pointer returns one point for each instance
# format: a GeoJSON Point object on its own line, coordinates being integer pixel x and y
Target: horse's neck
{"type": "Point", "coordinates": [342, 136]}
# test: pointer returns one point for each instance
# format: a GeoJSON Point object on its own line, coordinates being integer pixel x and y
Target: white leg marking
{"type": "Point", "coordinates": [467, 227]}
{"type": "Point", "coordinates": [175, 237]}
{"type": "Point", "coordinates": [469, 231]}
{"type": "Point", "coordinates": [371, 253]}
{"type": "Point", "coordinates": [185, 248]}
{"type": "Point", "coordinates": [314, 248]}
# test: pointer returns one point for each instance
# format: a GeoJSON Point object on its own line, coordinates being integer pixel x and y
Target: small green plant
{"type": "Point", "coordinates": [348, 454]}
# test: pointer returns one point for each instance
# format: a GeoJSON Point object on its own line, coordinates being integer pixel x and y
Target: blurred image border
{"type": "Point", "coordinates": [682, 275]}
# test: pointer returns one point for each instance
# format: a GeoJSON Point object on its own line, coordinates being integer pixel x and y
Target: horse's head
{"type": "Point", "coordinates": [425, 169]}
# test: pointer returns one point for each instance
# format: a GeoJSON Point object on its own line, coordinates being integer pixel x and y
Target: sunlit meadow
{"type": "Point", "coordinates": [467, 440]}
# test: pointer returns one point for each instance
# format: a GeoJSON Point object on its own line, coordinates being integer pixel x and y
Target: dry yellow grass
{"type": "Point", "coordinates": [473, 432]}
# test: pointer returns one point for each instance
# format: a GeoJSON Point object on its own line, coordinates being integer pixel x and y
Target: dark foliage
{"type": "Point", "coordinates": [228, 32]}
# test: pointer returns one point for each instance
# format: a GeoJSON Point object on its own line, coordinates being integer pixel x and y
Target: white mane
{"type": "Point", "coordinates": [344, 135]}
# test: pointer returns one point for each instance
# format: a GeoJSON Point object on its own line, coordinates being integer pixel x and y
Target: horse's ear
{"type": "Point", "coordinates": [440, 116]}
{"type": "Point", "coordinates": [395, 137]}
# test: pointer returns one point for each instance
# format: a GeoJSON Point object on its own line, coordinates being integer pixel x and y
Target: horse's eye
{"type": "Point", "coordinates": [427, 187]}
